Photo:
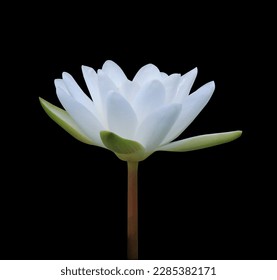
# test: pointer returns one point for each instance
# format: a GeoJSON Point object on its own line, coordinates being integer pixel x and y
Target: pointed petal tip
{"type": "Point", "coordinates": [208, 88]}
{"type": "Point", "coordinates": [109, 61]}
{"type": "Point", "coordinates": [85, 68]}
{"type": "Point", "coordinates": [57, 82]}
{"type": "Point", "coordinates": [237, 133]}
{"type": "Point", "coordinates": [66, 75]}
{"type": "Point", "coordinates": [46, 105]}
{"type": "Point", "coordinates": [192, 72]}
{"type": "Point", "coordinates": [41, 100]}
{"type": "Point", "coordinates": [211, 84]}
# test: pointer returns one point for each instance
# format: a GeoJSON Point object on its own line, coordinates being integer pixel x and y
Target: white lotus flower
{"type": "Point", "coordinates": [133, 118]}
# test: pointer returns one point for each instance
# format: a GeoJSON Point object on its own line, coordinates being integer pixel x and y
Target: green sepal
{"type": "Point", "coordinates": [201, 142]}
{"type": "Point", "coordinates": [64, 120]}
{"type": "Point", "coordinates": [125, 149]}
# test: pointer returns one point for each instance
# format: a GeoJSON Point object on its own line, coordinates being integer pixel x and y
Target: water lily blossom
{"type": "Point", "coordinates": [133, 118]}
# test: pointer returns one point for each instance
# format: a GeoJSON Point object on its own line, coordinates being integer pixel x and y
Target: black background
{"type": "Point", "coordinates": [62, 199]}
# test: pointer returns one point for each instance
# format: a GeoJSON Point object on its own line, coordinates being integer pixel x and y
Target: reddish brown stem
{"type": "Point", "coordinates": [132, 246]}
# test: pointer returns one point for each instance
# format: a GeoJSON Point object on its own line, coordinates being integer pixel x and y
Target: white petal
{"type": "Point", "coordinates": [147, 73]}
{"type": "Point", "coordinates": [192, 106]}
{"type": "Point", "coordinates": [185, 85]}
{"type": "Point", "coordinates": [79, 97]}
{"type": "Point", "coordinates": [91, 80]}
{"type": "Point", "coordinates": [114, 72]}
{"type": "Point", "coordinates": [156, 126]}
{"type": "Point", "coordinates": [171, 84]}
{"type": "Point", "coordinates": [76, 92]}
{"type": "Point", "coordinates": [129, 90]}
{"type": "Point", "coordinates": [148, 99]}
{"type": "Point", "coordinates": [106, 85]}
{"type": "Point", "coordinates": [61, 84]}
{"type": "Point", "coordinates": [164, 75]}
{"type": "Point", "coordinates": [87, 122]}
{"type": "Point", "coordinates": [121, 117]}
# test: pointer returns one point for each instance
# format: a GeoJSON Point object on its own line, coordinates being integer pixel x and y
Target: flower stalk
{"type": "Point", "coordinates": [132, 243]}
